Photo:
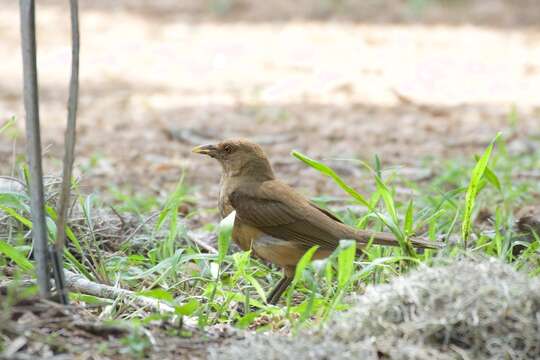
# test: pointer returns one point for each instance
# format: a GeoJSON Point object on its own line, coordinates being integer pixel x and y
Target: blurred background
{"type": "Point", "coordinates": [414, 81]}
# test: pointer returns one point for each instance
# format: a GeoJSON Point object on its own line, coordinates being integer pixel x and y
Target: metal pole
{"type": "Point", "coordinates": [33, 146]}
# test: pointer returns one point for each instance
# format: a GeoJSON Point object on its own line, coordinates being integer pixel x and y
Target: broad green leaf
{"type": "Point", "coordinates": [14, 254]}
{"type": "Point", "coordinates": [89, 299]}
{"type": "Point", "coordinates": [159, 294]}
{"type": "Point", "coordinates": [492, 178]}
{"type": "Point", "coordinates": [246, 320]}
{"type": "Point", "coordinates": [188, 308]}
{"type": "Point", "coordinates": [17, 201]}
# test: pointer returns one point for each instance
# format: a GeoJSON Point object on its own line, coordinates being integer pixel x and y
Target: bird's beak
{"type": "Point", "coordinates": [205, 150]}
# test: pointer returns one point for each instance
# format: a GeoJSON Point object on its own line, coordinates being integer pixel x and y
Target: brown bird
{"type": "Point", "coordinates": [272, 219]}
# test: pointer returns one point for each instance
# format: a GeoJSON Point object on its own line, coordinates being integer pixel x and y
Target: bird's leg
{"type": "Point", "coordinates": [288, 275]}
{"type": "Point", "coordinates": [276, 293]}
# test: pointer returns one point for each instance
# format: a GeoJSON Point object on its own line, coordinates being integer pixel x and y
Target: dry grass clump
{"type": "Point", "coordinates": [475, 309]}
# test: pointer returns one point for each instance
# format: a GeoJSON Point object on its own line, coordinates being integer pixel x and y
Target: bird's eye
{"type": "Point", "coordinates": [228, 149]}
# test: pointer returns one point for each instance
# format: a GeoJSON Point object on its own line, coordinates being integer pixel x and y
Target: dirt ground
{"type": "Point", "coordinates": [332, 79]}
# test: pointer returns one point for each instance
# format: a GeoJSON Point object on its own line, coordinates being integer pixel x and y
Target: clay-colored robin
{"type": "Point", "coordinates": [272, 219]}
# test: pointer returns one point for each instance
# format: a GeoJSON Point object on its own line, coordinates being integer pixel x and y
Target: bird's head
{"type": "Point", "coordinates": [239, 157]}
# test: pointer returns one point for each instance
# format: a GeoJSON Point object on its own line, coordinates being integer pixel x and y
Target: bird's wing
{"type": "Point", "coordinates": [279, 211]}
{"type": "Point", "coordinates": [326, 212]}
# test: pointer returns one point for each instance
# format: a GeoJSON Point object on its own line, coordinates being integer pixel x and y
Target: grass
{"type": "Point", "coordinates": [229, 287]}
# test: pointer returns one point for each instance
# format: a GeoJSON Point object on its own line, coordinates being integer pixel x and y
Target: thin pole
{"type": "Point", "coordinates": [69, 157]}
{"type": "Point", "coordinates": [33, 146]}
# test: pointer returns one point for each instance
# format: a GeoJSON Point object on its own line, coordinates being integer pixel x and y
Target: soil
{"type": "Point", "coordinates": [333, 79]}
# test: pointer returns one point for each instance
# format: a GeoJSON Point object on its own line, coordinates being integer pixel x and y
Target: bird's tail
{"type": "Point", "coordinates": [380, 238]}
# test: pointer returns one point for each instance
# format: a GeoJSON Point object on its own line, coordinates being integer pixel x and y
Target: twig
{"type": "Point", "coordinates": [120, 217]}
{"type": "Point", "coordinates": [79, 283]}
{"type": "Point", "coordinates": [14, 179]}
{"type": "Point", "coordinates": [194, 237]}
{"type": "Point", "coordinates": [31, 105]}
{"type": "Point", "coordinates": [148, 219]}
{"type": "Point", "coordinates": [433, 110]}
{"type": "Point", "coordinates": [69, 144]}
{"type": "Point", "coordinates": [14, 346]}
{"type": "Point", "coordinates": [5, 286]}
{"type": "Point", "coordinates": [101, 329]}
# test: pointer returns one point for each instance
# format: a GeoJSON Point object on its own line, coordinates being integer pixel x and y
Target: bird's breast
{"type": "Point", "coordinates": [244, 235]}
{"type": "Point", "coordinates": [224, 205]}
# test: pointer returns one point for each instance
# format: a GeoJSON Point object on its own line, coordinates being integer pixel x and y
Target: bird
{"type": "Point", "coordinates": [273, 220]}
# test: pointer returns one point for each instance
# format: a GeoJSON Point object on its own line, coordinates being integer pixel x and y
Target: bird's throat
{"type": "Point", "coordinates": [252, 170]}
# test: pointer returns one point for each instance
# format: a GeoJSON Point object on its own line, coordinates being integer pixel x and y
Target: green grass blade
{"type": "Point", "coordinates": [492, 178]}
{"type": "Point", "coordinates": [409, 219]}
{"type": "Point", "coordinates": [382, 189]}
{"type": "Point", "coordinates": [345, 262]}
{"type": "Point", "coordinates": [326, 170]}
{"type": "Point", "coordinates": [15, 200]}
{"type": "Point", "coordinates": [7, 124]}
{"type": "Point", "coordinates": [14, 254]}
{"type": "Point", "coordinates": [26, 222]}
{"type": "Point", "coordinates": [387, 199]}
{"type": "Point", "coordinates": [299, 273]}
{"type": "Point", "coordinates": [472, 190]}
{"type": "Point", "coordinates": [158, 294]}
{"type": "Point", "coordinates": [303, 263]}
{"type": "Point", "coordinates": [257, 286]}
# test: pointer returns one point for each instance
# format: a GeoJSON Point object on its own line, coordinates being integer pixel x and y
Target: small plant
{"type": "Point", "coordinates": [136, 344]}
{"type": "Point", "coordinates": [480, 170]}
{"type": "Point", "coordinates": [170, 214]}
